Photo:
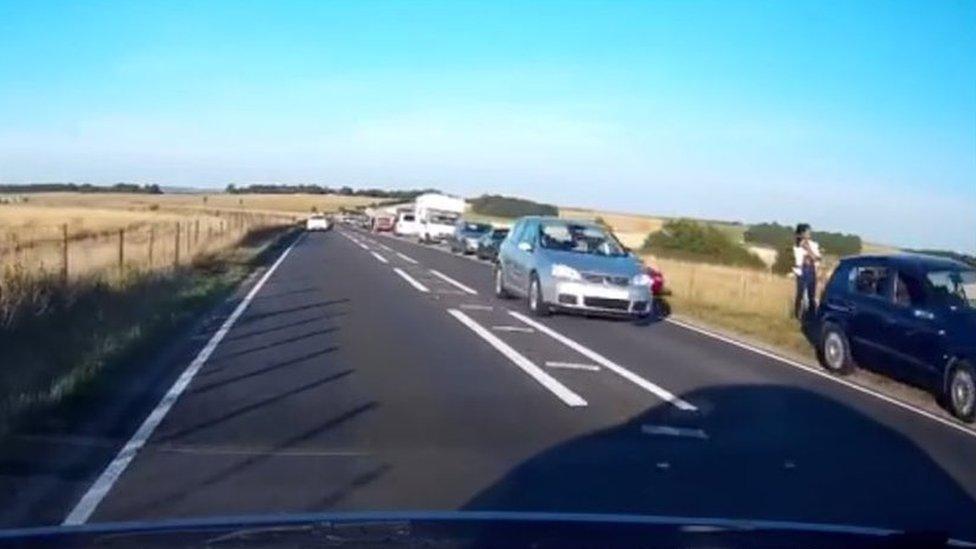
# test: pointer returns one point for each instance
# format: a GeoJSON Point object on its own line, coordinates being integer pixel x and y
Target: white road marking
{"type": "Point", "coordinates": [474, 307]}
{"type": "Point", "coordinates": [413, 282]}
{"type": "Point", "coordinates": [513, 329]}
{"type": "Point", "coordinates": [667, 430]}
{"type": "Point", "coordinates": [379, 258]}
{"type": "Point", "coordinates": [450, 280]}
{"type": "Point", "coordinates": [407, 258]}
{"type": "Point", "coordinates": [660, 392]}
{"type": "Point", "coordinates": [573, 366]}
{"type": "Point", "coordinates": [824, 375]}
{"type": "Point", "coordinates": [546, 380]}
{"type": "Point", "coordinates": [83, 510]}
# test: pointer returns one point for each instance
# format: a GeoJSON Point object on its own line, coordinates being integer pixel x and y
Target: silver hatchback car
{"type": "Point", "coordinates": [571, 265]}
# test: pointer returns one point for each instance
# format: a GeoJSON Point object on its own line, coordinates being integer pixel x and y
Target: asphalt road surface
{"type": "Point", "coordinates": [370, 373]}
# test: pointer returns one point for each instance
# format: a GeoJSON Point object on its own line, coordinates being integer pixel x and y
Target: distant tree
{"type": "Point", "coordinates": [506, 206]}
{"type": "Point", "coordinates": [775, 235]}
{"type": "Point", "coordinates": [690, 240]}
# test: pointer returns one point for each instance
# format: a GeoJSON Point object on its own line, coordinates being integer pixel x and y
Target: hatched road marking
{"type": "Point", "coordinates": [413, 282]}
{"type": "Point", "coordinates": [564, 393]}
{"type": "Point", "coordinates": [660, 392]}
{"type": "Point", "coordinates": [573, 366]}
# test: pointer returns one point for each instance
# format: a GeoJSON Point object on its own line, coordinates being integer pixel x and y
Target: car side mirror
{"type": "Point", "coordinates": [525, 246]}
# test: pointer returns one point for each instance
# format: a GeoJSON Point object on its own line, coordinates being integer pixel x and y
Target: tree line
{"type": "Point", "coordinates": [507, 206]}
{"type": "Point", "coordinates": [81, 188]}
{"type": "Point", "coordinates": [779, 236]}
{"type": "Point", "coordinates": [408, 194]}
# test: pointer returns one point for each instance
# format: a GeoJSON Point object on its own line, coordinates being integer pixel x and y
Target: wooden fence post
{"type": "Point", "coordinates": [176, 259]}
{"type": "Point", "coordinates": [152, 240]}
{"type": "Point", "coordinates": [121, 251]}
{"type": "Point", "coordinates": [64, 253]}
{"type": "Point", "coordinates": [196, 232]}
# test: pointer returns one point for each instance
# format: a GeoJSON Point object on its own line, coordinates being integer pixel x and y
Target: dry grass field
{"type": "Point", "coordinates": [33, 233]}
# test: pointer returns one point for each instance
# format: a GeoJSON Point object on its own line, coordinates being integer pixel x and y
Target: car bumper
{"type": "Point", "coordinates": [599, 298]}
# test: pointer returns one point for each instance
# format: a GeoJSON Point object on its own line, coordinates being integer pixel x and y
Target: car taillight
{"type": "Point", "coordinates": [657, 280]}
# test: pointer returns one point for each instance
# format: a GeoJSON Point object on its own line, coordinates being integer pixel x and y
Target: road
{"type": "Point", "coordinates": [371, 373]}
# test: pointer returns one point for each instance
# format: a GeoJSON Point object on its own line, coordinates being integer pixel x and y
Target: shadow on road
{"type": "Point", "coordinates": [752, 452]}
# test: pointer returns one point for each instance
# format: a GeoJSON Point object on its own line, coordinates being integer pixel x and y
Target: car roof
{"type": "Point", "coordinates": [918, 262]}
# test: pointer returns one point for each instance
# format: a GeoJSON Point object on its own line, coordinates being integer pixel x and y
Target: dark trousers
{"type": "Point", "coordinates": [806, 283]}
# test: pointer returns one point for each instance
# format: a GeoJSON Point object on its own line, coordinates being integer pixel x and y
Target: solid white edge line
{"type": "Point", "coordinates": [660, 392]}
{"type": "Point", "coordinates": [379, 258]}
{"type": "Point", "coordinates": [825, 375]}
{"type": "Point", "coordinates": [564, 393]}
{"type": "Point", "coordinates": [83, 510]}
{"type": "Point", "coordinates": [572, 366]}
{"type": "Point", "coordinates": [413, 282]}
{"type": "Point", "coordinates": [450, 280]}
{"type": "Point", "coordinates": [407, 258]}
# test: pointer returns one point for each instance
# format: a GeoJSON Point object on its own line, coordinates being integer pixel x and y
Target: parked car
{"type": "Point", "coordinates": [910, 316]}
{"type": "Point", "coordinates": [436, 226]}
{"type": "Point", "coordinates": [465, 237]}
{"type": "Point", "coordinates": [406, 224]}
{"type": "Point", "coordinates": [489, 242]}
{"type": "Point", "coordinates": [571, 265]}
{"type": "Point", "coordinates": [318, 222]}
{"type": "Point", "coordinates": [383, 223]}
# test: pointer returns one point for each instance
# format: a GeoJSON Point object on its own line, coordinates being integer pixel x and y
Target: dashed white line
{"type": "Point", "coordinates": [93, 497]}
{"type": "Point", "coordinates": [522, 329]}
{"type": "Point", "coordinates": [379, 258]}
{"type": "Point", "coordinates": [455, 283]}
{"type": "Point", "coordinates": [564, 393]}
{"type": "Point", "coordinates": [573, 366]}
{"type": "Point", "coordinates": [667, 430]}
{"type": "Point", "coordinates": [406, 258]}
{"type": "Point", "coordinates": [657, 390]}
{"type": "Point", "coordinates": [413, 282]}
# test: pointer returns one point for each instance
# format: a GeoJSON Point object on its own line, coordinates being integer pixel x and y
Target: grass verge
{"type": "Point", "coordinates": [57, 340]}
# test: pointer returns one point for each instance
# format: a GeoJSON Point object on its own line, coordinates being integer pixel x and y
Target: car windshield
{"type": "Point", "coordinates": [958, 287]}
{"type": "Point", "coordinates": [499, 234]}
{"type": "Point", "coordinates": [578, 238]}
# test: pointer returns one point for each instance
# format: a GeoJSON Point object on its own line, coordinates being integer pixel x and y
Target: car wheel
{"type": "Point", "coordinates": [835, 350]}
{"type": "Point", "coordinates": [961, 391]}
{"type": "Point", "coordinates": [500, 290]}
{"type": "Point", "coordinates": [537, 305]}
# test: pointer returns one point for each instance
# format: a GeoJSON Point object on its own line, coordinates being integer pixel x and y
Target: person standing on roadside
{"type": "Point", "coordinates": [806, 255]}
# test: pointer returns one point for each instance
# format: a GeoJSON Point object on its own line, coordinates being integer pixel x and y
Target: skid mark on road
{"type": "Point", "coordinates": [564, 393]}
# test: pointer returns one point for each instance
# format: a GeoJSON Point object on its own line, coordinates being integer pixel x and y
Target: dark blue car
{"type": "Point", "coordinates": [911, 316]}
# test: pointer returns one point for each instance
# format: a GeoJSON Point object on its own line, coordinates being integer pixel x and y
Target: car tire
{"type": "Point", "coordinates": [537, 305]}
{"type": "Point", "coordinates": [960, 391]}
{"type": "Point", "coordinates": [499, 283]}
{"type": "Point", "coordinates": [834, 351]}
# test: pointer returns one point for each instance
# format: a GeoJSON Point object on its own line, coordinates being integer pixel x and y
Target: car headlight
{"type": "Point", "coordinates": [563, 271]}
{"type": "Point", "coordinates": [641, 279]}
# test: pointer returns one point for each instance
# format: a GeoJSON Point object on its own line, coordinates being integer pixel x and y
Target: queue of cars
{"type": "Point", "coordinates": [908, 316]}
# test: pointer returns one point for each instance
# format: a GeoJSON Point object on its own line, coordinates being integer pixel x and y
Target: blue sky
{"type": "Point", "coordinates": [854, 116]}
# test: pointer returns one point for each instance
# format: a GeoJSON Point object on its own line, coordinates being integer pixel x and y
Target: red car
{"type": "Point", "coordinates": [383, 223]}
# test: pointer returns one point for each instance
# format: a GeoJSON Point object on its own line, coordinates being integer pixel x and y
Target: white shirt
{"type": "Point", "coordinates": [800, 254]}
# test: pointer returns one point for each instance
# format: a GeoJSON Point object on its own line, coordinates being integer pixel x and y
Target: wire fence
{"type": "Point", "coordinates": [141, 246]}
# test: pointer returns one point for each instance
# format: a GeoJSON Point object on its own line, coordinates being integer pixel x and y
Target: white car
{"type": "Point", "coordinates": [318, 222]}
{"type": "Point", "coordinates": [406, 224]}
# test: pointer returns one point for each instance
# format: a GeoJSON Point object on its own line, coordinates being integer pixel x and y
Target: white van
{"type": "Point", "coordinates": [406, 224]}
